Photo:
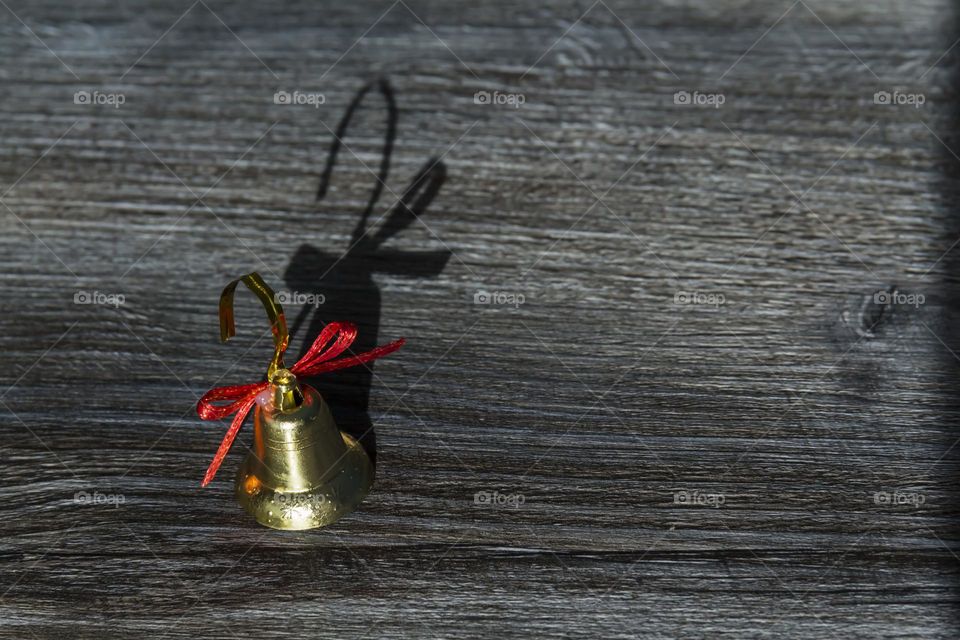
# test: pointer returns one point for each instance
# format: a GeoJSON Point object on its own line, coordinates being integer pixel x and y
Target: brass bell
{"type": "Point", "coordinates": [302, 471]}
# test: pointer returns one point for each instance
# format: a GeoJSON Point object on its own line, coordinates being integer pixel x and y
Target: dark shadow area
{"type": "Point", "coordinates": [948, 129]}
{"type": "Point", "coordinates": [344, 276]}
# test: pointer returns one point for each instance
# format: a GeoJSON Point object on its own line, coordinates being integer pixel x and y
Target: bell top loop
{"type": "Point", "coordinates": [278, 323]}
{"type": "Point", "coordinates": [287, 394]}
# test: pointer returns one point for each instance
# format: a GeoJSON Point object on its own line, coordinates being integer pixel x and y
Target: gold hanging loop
{"type": "Point", "coordinates": [278, 323]}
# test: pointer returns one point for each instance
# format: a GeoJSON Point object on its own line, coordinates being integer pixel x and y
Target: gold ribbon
{"type": "Point", "coordinates": [278, 323]}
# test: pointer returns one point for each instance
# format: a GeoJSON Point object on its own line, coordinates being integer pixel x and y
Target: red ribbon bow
{"type": "Point", "coordinates": [319, 359]}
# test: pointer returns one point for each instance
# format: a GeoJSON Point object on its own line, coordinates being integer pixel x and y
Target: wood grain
{"type": "Point", "coordinates": [785, 416]}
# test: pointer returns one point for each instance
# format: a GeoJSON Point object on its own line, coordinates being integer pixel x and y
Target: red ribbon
{"type": "Point", "coordinates": [319, 359]}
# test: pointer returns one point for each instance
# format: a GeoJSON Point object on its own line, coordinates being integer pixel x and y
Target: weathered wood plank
{"type": "Point", "coordinates": [794, 408]}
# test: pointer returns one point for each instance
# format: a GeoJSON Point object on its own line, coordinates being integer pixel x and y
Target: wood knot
{"type": "Point", "coordinates": [874, 309]}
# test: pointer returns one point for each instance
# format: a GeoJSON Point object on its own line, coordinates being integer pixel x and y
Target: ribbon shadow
{"type": "Point", "coordinates": [344, 278]}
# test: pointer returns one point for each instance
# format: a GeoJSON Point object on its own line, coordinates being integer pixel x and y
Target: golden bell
{"type": "Point", "coordinates": [302, 471]}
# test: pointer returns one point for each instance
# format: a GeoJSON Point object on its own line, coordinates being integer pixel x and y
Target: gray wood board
{"type": "Point", "coordinates": [714, 426]}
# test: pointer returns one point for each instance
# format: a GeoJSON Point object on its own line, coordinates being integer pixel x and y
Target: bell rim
{"type": "Point", "coordinates": [310, 508]}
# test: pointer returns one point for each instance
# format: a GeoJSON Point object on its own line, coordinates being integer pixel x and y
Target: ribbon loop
{"type": "Point", "coordinates": [345, 332]}
{"type": "Point", "coordinates": [278, 323]}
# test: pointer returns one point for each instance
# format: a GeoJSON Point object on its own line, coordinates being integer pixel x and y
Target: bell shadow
{"type": "Point", "coordinates": [345, 277]}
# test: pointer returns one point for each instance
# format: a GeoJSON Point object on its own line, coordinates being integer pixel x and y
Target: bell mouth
{"type": "Point", "coordinates": [321, 506]}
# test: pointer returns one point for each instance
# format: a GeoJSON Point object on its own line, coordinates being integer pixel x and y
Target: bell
{"type": "Point", "coordinates": [302, 471]}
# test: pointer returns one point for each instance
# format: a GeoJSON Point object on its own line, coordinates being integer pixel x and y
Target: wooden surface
{"type": "Point", "coordinates": [794, 408]}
